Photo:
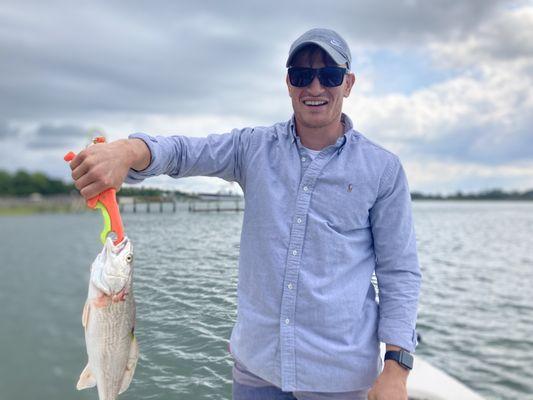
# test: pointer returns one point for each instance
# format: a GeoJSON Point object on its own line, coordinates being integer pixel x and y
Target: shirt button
{"type": "Point", "coordinates": [299, 220]}
{"type": "Point", "coordinates": [294, 253]}
{"type": "Point", "coordinates": [306, 188]}
{"type": "Point", "coordinates": [289, 285]}
{"type": "Point", "coordinates": [287, 321]}
{"type": "Point", "coordinates": [303, 158]}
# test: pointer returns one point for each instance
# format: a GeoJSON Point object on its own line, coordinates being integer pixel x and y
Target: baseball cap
{"type": "Point", "coordinates": [328, 40]}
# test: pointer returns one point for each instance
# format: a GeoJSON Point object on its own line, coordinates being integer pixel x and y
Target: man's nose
{"type": "Point", "coordinates": [315, 87]}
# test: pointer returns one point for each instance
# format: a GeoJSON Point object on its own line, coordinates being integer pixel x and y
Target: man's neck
{"type": "Point", "coordinates": [318, 138]}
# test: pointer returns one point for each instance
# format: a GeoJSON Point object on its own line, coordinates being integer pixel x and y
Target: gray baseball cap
{"type": "Point", "coordinates": [330, 41]}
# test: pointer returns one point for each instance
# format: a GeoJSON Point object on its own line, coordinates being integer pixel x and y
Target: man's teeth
{"type": "Point", "coordinates": [315, 102]}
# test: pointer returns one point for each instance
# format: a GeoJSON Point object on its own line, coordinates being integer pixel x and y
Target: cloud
{"type": "Point", "coordinates": [184, 58]}
{"type": "Point", "coordinates": [504, 40]}
{"type": "Point", "coordinates": [483, 114]}
{"type": "Point", "coordinates": [487, 120]}
{"type": "Point", "coordinates": [438, 176]}
{"type": "Point", "coordinates": [57, 136]}
{"type": "Point", "coordinates": [7, 130]}
{"type": "Point", "coordinates": [440, 82]}
{"type": "Point", "coordinates": [60, 132]}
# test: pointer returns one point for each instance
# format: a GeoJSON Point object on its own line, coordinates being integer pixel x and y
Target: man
{"type": "Point", "coordinates": [325, 208]}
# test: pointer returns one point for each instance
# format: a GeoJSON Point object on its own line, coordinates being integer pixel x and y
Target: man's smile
{"type": "Point", "coordinates": [315, 102]}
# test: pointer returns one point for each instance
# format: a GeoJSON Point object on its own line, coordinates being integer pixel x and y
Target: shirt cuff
{"type": "Point", "coordinates": [152, 169]}
{"type": "Point", "coordinates": [391, 333]}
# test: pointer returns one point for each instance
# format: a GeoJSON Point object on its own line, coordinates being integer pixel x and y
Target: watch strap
{"type": "Point", "coordinates": [402, 357]}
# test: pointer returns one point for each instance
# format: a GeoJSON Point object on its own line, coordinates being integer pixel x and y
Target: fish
{"type": "Point", "coordinates": [109, 322]}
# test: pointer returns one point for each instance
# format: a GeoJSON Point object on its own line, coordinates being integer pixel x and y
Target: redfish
{"type": "Point", "coordinates": [109, 320]}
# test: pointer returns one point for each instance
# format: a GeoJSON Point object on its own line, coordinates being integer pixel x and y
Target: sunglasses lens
{"type": "Point", "coordinates": [301, 77]}
{"type": "Point", "coordinates": [331, 76]}
{"type": "Point", "coordinates": [328, 76]}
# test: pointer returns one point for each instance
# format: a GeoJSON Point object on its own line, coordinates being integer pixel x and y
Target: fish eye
{"type": "Point", "coordinates": [129, 258]}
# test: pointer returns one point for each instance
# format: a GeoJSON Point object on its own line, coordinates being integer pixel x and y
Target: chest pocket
{"type": "Point", "coordinates": [344, 206]}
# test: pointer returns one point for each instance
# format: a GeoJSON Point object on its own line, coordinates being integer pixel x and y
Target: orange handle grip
{"type": "Point", "coordinates": [108, 200]}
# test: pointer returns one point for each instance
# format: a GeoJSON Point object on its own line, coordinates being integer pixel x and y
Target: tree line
{"type": "Point", "coordinates": [491, 194]}
{"type": "Point", "coordinates": [23, 183]}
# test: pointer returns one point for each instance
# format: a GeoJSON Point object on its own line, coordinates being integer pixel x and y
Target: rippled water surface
{"type": "Point", "coordinates": [476, 308]}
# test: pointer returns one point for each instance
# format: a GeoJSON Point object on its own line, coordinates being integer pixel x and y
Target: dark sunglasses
{"type": "Point", "coordinates": [327, 76]}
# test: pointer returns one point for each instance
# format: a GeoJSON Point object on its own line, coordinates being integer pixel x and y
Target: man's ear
{"type": "Point", "coordinates": [349, 82]}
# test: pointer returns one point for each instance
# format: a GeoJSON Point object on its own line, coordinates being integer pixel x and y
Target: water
{"type": "Point", "coordinates": [476, 308]}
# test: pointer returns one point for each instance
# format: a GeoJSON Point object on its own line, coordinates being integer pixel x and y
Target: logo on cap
{"type": "Point", "coordinates": [335, 43]}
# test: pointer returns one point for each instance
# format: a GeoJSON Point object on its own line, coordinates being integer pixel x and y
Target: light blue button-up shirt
{"type": "Point", "coordinates": [314, 231]}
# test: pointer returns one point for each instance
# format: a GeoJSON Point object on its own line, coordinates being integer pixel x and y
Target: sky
{"type": "Point", "coordinates": [444, 84]}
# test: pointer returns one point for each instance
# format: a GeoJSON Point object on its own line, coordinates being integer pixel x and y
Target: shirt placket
{"type": "Point", "coordinates": [290, 283]}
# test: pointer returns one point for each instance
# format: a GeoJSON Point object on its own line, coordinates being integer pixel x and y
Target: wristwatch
{"type": "Point", "coordinates": [402, 357]}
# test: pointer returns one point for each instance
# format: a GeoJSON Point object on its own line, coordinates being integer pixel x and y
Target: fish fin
{"type": "Point", "coordinates": [85, 315]}
{"type": "Point", "coordinates": [130, 366]}
{"type": "Point", "coordinates": [87, 380]}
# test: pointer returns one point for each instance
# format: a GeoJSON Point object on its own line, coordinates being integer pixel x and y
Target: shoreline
{"type": "Point", "coordinates": [30, 209]}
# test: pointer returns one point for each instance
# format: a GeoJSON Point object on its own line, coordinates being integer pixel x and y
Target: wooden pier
{"type": "Point", "coordinates": [148, 204]}
{"type": "Point", "coordinates": [202, 203]}
{"type": "Point", "coordinates": [216, 205]}
{"type": "Point", "coordinates": [208, 202]}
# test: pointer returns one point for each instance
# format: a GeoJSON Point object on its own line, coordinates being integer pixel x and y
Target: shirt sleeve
{"type": "Point", "coordinates": [222, 156]}
{"type": "Point", "coordinates": [397, 266]}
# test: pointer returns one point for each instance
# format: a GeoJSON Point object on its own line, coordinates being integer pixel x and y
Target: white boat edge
{"type": "Point", "coordinates": [427, 382]}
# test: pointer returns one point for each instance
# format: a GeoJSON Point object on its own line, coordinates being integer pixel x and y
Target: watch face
{"type": "Point", "coordinates": [406, 359]}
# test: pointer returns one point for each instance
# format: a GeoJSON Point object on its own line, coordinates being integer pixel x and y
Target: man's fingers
{"type": "Point", "coordinates": [84, 180]}
{"type": "Point", "coordinates": [79, 171]}
{"type": "Point", "coordinates": [92, 190]}
{"type": "Point", "coordinates": [91, 182]}
{"type": "Point", "coordinates": [78, 159]}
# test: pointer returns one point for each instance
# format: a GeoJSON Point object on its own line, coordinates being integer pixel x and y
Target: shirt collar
{"type": "Point", "coordinates": [339, 144]}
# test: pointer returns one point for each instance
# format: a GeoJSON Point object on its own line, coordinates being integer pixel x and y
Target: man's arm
{"type": "Point", "coordinates": [397, 267]}
{"type": "Point", "coordinates": [398, 275]}
{"type": "Point", "coordinates": [109, 165]}
{"type": "Point", "coordinates": [140, 154]}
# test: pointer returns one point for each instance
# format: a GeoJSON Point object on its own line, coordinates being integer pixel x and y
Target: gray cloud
{"type": "Point", "coordinates": [57, 136]}
{"type": "Point", "coordinates": [60, 132]}
{"type": "Point", "coordinates": [488, 144]}
{"type": "Point", "coordinates": [103, 61]}
{"type": "Point", "coordinates": [185, 58]}
{"type": "Point", "coordinates": [7, 130]}
{"type": "Point", "coordinates": [505, 39]}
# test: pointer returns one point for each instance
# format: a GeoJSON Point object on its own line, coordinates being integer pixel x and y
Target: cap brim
{"type": "Point", "coordinates": [333, 53]}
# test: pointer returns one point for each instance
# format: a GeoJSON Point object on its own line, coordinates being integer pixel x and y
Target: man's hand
{"type": "Point", "coordinates": [391, 384]}
{"type": "Point", "coordinates": [105, 165]}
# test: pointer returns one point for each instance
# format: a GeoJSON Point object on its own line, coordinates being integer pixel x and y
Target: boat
{"type": "Point", "coordinates": [427, 382]}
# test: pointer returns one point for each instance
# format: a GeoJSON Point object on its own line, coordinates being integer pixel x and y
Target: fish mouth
{"type": "Point", "coordinates": [124, 245]}
{"type": "Point", "coordinates": [112, 270]}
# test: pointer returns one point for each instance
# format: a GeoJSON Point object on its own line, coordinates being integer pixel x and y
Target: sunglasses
{"type": "Point", "coordinates": [327, 76]}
